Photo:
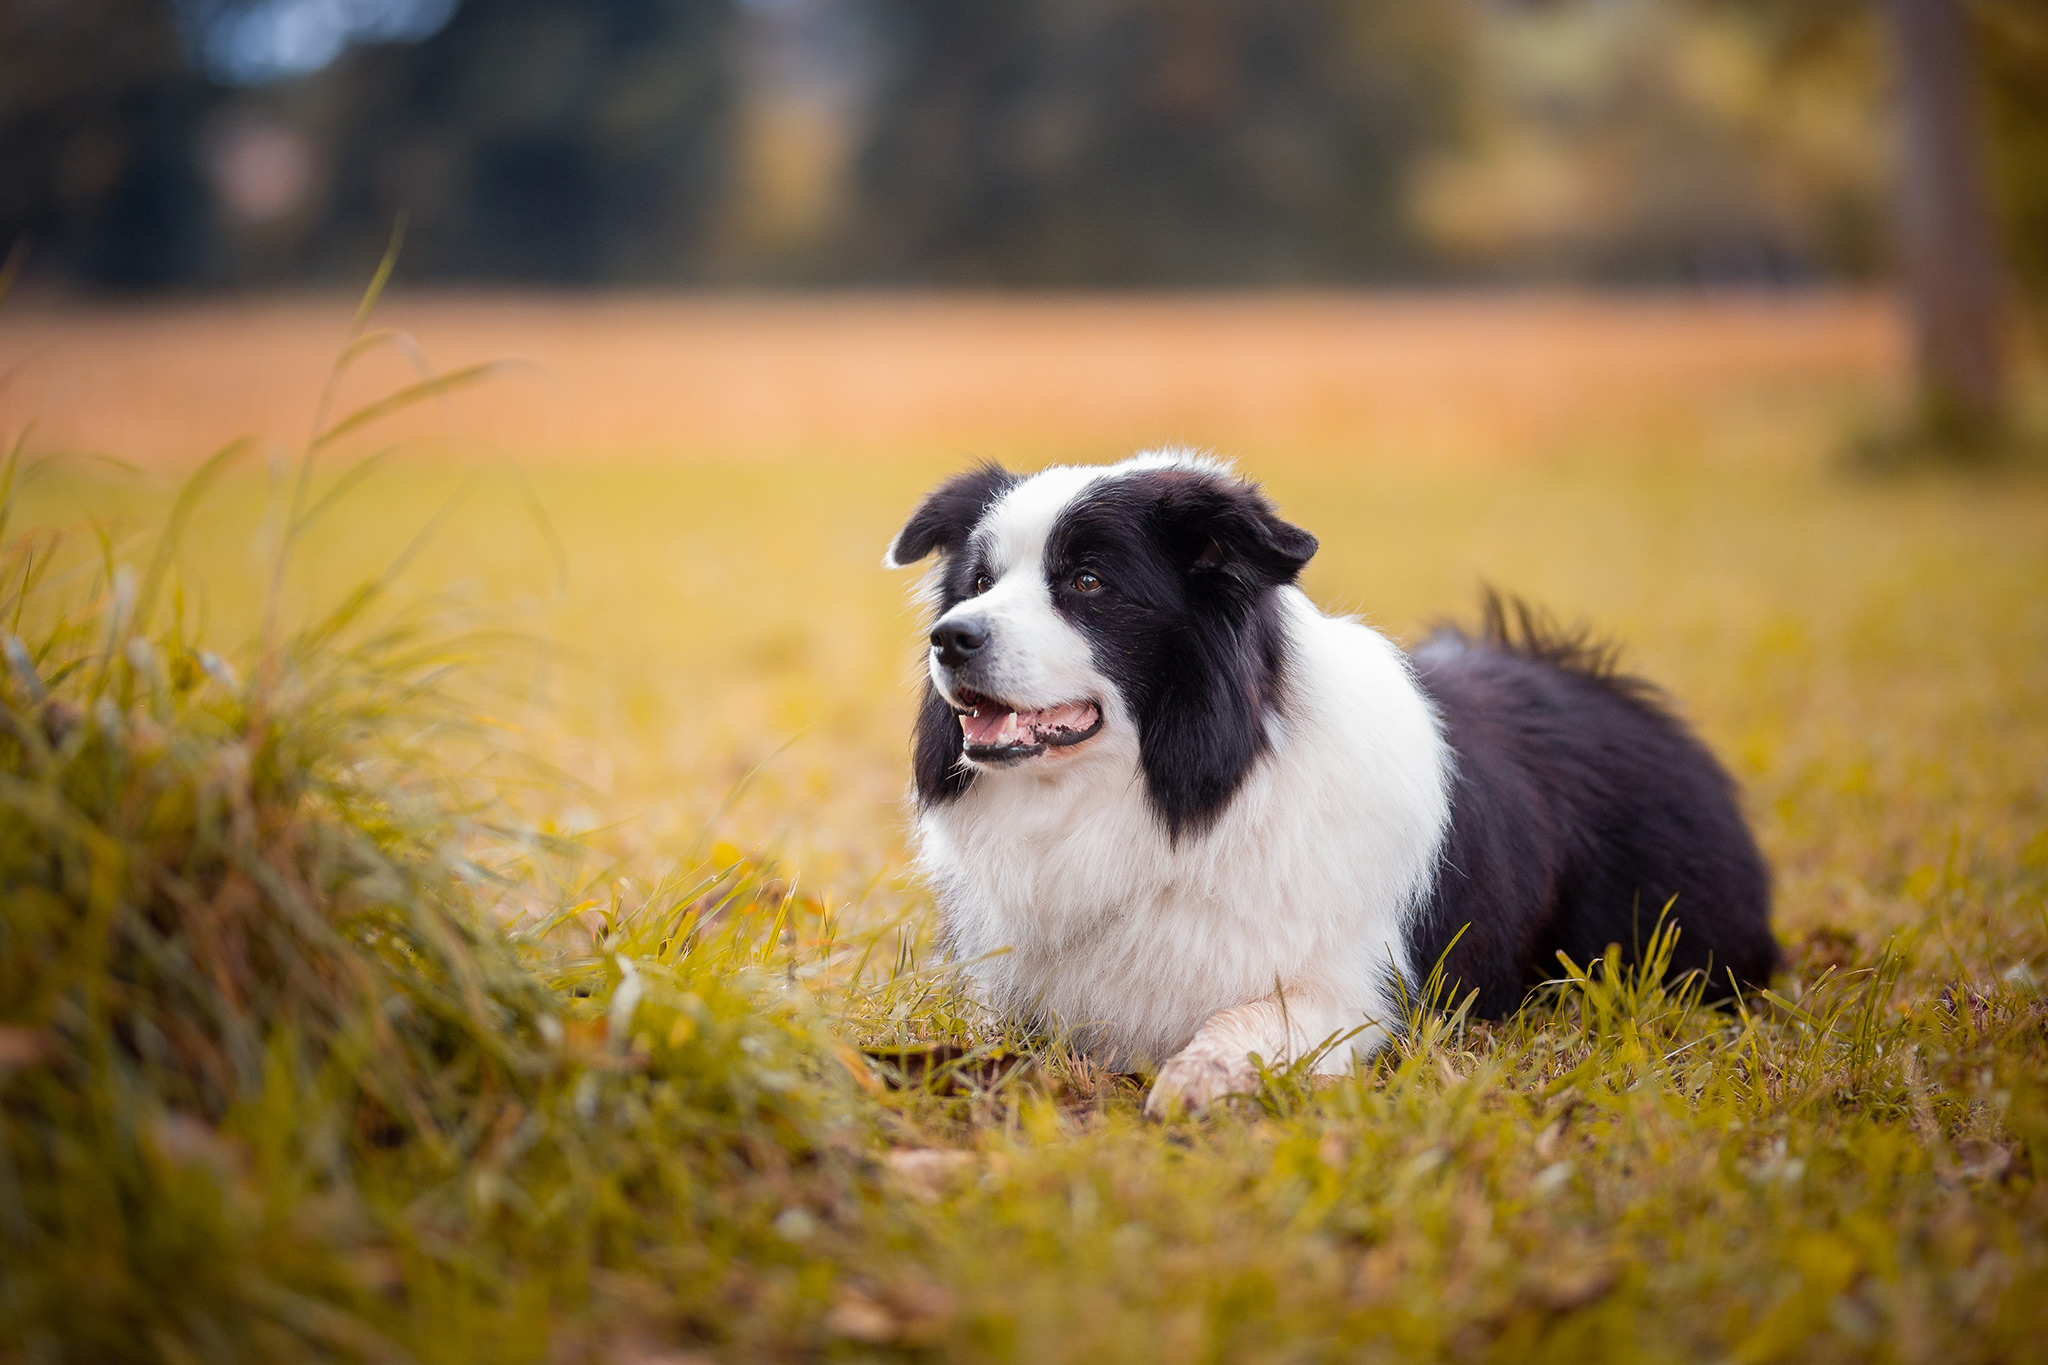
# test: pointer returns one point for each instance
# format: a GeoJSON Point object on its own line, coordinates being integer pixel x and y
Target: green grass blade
{"type": "Point", "coordinates": [424, 389]}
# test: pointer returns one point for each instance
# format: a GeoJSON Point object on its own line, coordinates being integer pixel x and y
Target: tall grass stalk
{"type": "Point", "coordinates": [278, 1080]}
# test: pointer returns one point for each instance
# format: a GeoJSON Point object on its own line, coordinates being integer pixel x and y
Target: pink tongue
{"type": "Point", "coordinates": [992, 728]}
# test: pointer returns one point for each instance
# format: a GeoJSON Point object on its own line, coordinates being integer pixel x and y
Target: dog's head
{"type": "Point", "coordinates": [1135, 600]}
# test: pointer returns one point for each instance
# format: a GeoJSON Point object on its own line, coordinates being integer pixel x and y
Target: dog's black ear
{"type": "Point", "coordinates": [1214, 525]}
{"type": "Point", "coordinates": [1202, 712]}
{"type": "Point", "coordinates": [943, 520]}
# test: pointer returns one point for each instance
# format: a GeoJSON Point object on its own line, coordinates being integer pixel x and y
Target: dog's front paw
{"type": "Point", "coordinates": [1199, 1074]}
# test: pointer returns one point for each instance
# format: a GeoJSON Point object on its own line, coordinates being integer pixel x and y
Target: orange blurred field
{"type": "Point", "coordinates": [1468, 378]}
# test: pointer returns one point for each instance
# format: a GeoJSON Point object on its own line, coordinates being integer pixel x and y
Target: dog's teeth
{"type": "Point", "coordinates": [1008, 734]}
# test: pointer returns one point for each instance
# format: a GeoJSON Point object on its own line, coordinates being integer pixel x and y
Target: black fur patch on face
{"type": "Point", "coordinates": [936, 751]}
{"type": "Point", "coordinates": [1185, 621]}
{"type": "Point", "coordinates": [942, 522]}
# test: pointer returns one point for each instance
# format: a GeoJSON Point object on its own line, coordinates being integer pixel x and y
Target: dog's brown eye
{"type": "Point", "coordinates": [1087, 582]}
{"type": "Point", "coordinates": [982, 583]}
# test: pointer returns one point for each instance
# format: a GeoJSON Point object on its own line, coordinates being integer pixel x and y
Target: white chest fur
{"type": "Point", "coordinates": [1062, 891]}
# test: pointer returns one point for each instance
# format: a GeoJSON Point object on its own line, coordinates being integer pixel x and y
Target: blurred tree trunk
{"type": "Point", "coordinates": [1953, 277]}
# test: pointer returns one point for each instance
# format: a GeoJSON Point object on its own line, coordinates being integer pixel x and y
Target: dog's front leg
{"type": "Point", "coordinates": [1217, 1061]}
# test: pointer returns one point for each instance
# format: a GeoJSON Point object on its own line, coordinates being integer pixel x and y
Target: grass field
{"type": "Point", "coordinates": [659, 534]}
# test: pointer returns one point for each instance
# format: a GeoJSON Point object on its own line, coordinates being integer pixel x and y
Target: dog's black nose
{"type": "Point", "coordinates": [958, 642]}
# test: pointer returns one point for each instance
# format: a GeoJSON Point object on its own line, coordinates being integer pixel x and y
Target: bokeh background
{"type": "Point", "coordinates": [196, 143]}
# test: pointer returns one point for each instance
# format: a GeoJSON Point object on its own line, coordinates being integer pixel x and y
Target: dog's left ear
{"type": "Point", "coordinates": [1224, 527]}
{"type": "Point", "coordinates": [948, 514]}
{"type": "Point", "coordinates": [1203, 724]}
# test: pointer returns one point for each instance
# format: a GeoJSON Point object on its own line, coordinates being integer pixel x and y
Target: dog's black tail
{"type": "Point", "coordinates": [1511, 625]}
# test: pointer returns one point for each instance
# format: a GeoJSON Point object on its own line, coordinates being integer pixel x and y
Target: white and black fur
{"type": "Point", "coordinates": [1278, 820]}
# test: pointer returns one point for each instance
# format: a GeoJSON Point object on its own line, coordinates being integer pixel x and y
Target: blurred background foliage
{"type": "Point", "coordinates": [1035, 142]}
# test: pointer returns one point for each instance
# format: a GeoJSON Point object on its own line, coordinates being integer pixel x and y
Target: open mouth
{"type": "Point", "coordinates": [995, 731]}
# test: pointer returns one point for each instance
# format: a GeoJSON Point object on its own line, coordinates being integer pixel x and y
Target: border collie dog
{"type": "Point", "coordinates": [1167, 803]}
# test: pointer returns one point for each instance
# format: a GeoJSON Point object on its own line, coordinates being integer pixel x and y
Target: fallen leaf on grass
{"type": "Point", "coordinates": [20, 1047]}
{"type": "Point", "coordinates": [860, 1318]}
{"type": "Point", "coordinates": [1575, 1286]}
{"type": "Point", "coordinates": [929, 1172]}
{"type": "Point", "coordinates": [905, 1313]}
{"type": "Point", "coordinates": [635, 1351]}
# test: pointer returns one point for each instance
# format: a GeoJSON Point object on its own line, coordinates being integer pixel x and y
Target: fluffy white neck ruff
{"type": "Point", "coordinates": [1065, 897]}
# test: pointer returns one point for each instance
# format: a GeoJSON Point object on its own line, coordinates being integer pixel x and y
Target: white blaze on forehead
{"type": "Point", "coordinates": [1014, 530]}
{"type": "Point", "coordinates": [1013, 533]}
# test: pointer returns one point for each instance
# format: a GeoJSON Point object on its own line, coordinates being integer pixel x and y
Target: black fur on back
{"type": "Point", "coordinates": [1188, 626]}
{"type": "Point", "coordinates": [1580, 807]}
